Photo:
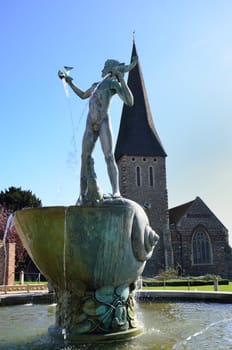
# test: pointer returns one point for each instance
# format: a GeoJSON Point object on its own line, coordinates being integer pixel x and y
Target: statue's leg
{"type": "Point", "coordinates": [106, 138]}
{"type": "Point", "coordinates": [88, 143]}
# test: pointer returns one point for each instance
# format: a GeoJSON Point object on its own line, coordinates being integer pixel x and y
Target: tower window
{"type": "Point", "coordinates": [151, 176]}
{"type": "Point", "coordinates": [201, 248]}
{"type": "Point", "coordinates": [138, 176]}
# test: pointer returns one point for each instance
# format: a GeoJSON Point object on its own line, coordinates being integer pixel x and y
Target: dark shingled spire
{"type": "Point", "coordinates": [137, 134]}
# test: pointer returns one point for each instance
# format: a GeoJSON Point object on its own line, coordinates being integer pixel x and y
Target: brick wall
{"type": "Point", "coordinates": [10, 264]}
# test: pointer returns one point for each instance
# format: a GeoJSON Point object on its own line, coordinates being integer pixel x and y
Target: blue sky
{"type": "Point", "coordinates": [185, 51]}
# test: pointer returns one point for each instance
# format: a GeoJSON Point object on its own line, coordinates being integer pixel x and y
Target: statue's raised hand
{"type": "Point", "coordinates": [64, 75]}
{"type": "Point", "coordinates": [134, 60]}
{"type": "Point", "coordinates": [68, 79]}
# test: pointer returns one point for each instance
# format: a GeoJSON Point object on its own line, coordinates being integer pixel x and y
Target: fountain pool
{"type": "Point", "coordinates": [167, 326]}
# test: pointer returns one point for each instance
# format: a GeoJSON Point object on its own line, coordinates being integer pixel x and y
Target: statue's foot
{"type": "Point", "coordinates": [80, 200]}
{"type": "Point", "coordinates": [116, 195]}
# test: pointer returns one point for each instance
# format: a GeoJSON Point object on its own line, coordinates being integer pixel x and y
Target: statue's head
{"type": "Point", "coordinates": [115, 66]}
{"type": "Point", "coordinates": [112, 65]}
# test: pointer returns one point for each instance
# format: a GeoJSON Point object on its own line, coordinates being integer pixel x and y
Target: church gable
{"type": "Point", "coordinates": [200, 240]}
{"type": "Point", "coordinates": [194, 213]}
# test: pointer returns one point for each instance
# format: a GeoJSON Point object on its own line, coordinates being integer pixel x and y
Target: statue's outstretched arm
{"type": "Point", "coordinates": [82, 94]}
{"type": "Point", "coordinates": [69, 80]}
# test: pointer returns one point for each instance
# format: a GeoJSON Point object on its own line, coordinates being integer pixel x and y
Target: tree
{"type": "Point", "coordinates": [11, 200]}
{"type": "Point", "coordinates": [15, 199]}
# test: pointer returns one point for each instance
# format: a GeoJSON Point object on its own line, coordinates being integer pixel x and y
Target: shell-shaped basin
{"type": "Point", "coordinates": [84, 247]}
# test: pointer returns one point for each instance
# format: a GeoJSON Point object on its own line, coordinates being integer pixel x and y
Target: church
{"type": "Point", "coordinates": [192, 238]}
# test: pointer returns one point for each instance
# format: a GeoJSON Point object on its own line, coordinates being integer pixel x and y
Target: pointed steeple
{"type": "Point", "coordinates": [137, 134]}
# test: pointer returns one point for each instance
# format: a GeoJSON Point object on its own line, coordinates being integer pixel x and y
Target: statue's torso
{"type": "Point", "coordinates": [99, 104]}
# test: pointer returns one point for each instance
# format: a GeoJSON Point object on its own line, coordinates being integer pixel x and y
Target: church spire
{"type": "Point", "coordinates": [137, 134]}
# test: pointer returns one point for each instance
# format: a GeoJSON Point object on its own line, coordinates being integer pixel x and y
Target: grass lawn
{"type": "Point", "coordinates": [221, 288]}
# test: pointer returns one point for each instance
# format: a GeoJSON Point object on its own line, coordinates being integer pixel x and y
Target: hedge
{"type": "Point", "coordinates": [180, 283]}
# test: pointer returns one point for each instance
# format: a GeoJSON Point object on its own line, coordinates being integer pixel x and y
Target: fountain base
{"type": "Point", "coordinates": [59, 333]}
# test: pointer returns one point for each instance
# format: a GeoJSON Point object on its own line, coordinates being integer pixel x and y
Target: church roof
{"type": "Point", "coordinates": [176, 213]}
{"type": "Point", "coordinates": [137, 134]}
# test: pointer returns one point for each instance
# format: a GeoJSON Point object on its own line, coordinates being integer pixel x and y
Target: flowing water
{"type": "Point", "coordinates": [167, 326]}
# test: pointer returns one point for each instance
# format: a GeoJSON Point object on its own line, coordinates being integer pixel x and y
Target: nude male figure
{"type": "Point", "coordinates": [98, 124]}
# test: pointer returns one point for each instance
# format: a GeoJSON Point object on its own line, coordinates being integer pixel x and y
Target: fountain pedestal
{"type": "Point", "coordinates": [92, 255]}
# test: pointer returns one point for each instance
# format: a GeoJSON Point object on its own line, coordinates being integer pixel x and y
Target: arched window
{"type": "Point", "coordinates": [138, 176]}
{"type": "Point", "coordinates": [201, 248]}
{"type": "Point", "coordinates": [150, 176]}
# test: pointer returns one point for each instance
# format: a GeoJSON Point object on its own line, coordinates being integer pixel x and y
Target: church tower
{"type": "Point", "coordinates": [141, 158]}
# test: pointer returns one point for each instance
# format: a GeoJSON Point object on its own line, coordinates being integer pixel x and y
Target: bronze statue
{"type": "Point", "coordinates": [99, 125]}
{"type": "Point", "coordinates": [93, 252]}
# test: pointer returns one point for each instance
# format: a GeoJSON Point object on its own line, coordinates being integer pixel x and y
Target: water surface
{"type": "Point", "coordinates": [167, 326]}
